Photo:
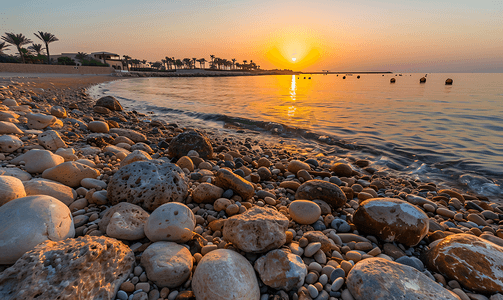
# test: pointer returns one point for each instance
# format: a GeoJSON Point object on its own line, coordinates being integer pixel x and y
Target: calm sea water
{"type": "Point", "coordinates": [452, 133]}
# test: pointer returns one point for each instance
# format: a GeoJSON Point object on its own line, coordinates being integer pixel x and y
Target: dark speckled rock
{"type": "Point", "coordinates": [392, 220]}
{"type": "Point", "coordinates": [323, 190]}
{"type": "Point", "coordinates": [381, 279]}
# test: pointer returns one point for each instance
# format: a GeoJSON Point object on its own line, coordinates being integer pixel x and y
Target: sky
{"type": "Point", "coordinates": [398, 36]}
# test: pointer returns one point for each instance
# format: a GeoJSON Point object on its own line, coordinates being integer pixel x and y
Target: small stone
{"type": "Point", "coordinates": [221, 204]}
{"type": "Point", "coordinates": [190, 140]}
{"type": "Point", "coordinates": [37, 161]}
{"type": "Point", "coordinates": [186, 162]}
{"type": "Point", "coordinates": [170, 222]}
{"type": "Point", "coordinates": [226, 179]}
{"type": "Point", "coordinates": [206, 193]}
{"type": "Point", "coordinates": [109, 102]}
{"type": "Point", "coordinates": [98, 126]}
{"type": "Point", "coordinates": [281, 270]}
{"type": "Point", "coordinates": [311, 249]}
{"type": "Point", "coordinates": [337, 284]}
{"type": "Point", "coordinates": [167, 264]}
{"type": "Point", "coordinates": [10, 188]}
{"type": "Point", "coordinates": [58, 111]}
{"type": "Point", "coordinates": [259, 229]}
{"type": "Point", "coordinates": [124, 221]}
{"type": "Point", "coordinates": [10, 143]}
{"type": "Point", "coordinates": [342, 170]}
{"type": "Point", "coordinates": [9, 128]}
{"type": "Point", "coordinates": [39, 186]}
{"type": "Point", "coordinates": [296, 165]}
{"type": "Point", "coordinates": [225, 274]}
{"type": "Point", "coordinates": [40, 121]}
{"type": "Point", "coordinates": [304, 211]}
{"type": "Point", "coordinates": [136, 155]}
{"type": "Point", "coordinates": [323, 190]}
{"type": "Point", "coordinates": [70, 173]}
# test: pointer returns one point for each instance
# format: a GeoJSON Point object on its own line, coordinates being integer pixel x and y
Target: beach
{"type": "Point", "coordinates": [156, 209]}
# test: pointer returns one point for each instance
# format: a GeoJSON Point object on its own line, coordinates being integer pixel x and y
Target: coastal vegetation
{"type": "Point", "coordinates": [35, 54]}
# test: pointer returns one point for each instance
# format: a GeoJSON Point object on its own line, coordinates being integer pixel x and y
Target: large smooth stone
{"type": "Point", "coordinates": [116, 150]}
{"type": "Point", "coordinates": [37, 160]}
{"type": "Point", "coordinates": [28, 221]}
{"type": "Point", "coordinates": [381, 279]}
{"type": "Point", "coordinates": [109, 102]}
{"type": "Point", "coordinates": [167, 264]}
{"type": "Point", "coordinates": [225, 274]}
{"type": "Point", "coordinates": [228, 180]}
{"type": "Point", "coordinates": [392, 220]}
{"type": "Point", "coordinates": [206, 193]}
{"type": "Point", "coordinates": [136, 155]}
{"type": "Point", "coordinates": [87, 267]}
{"type": "Point", "coordinates": [172, 222]}
{"type": "Point", "coordinates": [39, 186]}
{"type": "Point", "coordinates": [342, 170]}
{"type": "Point", "coordinates": [58, 111]}
{"type": "Point", "coordinates": [259, 229]}
{"type": "Point", "coordinates": [10, 188]}
{"type": "Point", "coordinates": [10, 143]}
{"type": "Point", "coordinates": [98, 126]}
{"type": "Point", "coordinates": [15, 172]}
{"type": "Point", "coordinates": [281, 269]}
{"type": "Point", "coordinates": [190, 140]}
{"type": "Point", "coordinates": [40, 121]}
{"type": "Point", "coordinates": [323, 190]}
{"type": "Point", "coordinates": [70, 173]}
{"type": "Point", "coordinates": [51, 140]}
{"type": "Point", "coordinates": [304, 211]}
{"type": "Point", "coordinates": [133, 135]}
{"type": "Point", "coordinates": [474, 262]}
{"type": "Point", "coordinates": [9, 128]}
{"type": "Point", "coordinates": [296, 165]}
{"type": "Point", "coordinates": [124, 221]}
{"type": "Point", "coordinates": [148, 184]}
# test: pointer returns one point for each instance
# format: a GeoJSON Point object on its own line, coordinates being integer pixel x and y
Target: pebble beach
{"type": "Point", "coordinates": [101, 202]}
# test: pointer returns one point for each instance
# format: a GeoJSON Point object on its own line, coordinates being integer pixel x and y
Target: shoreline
{"type": "Point", "coordinates": [275, 173]}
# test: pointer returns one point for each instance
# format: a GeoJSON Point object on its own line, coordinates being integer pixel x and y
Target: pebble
{"type": "Point", "coordinates": [311, 249]}
{"type": "Point", "coordinates": [304, 211]}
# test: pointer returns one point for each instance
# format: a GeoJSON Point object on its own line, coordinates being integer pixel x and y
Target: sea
{"type": "Point", "coordinates": [448, 134]}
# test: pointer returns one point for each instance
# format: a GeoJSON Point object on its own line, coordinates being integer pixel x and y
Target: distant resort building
{"type": "Point", "coordinates": [113, 59]}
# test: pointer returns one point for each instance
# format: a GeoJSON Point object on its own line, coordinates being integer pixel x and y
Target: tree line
{"type": "Point", "coordinates": [33, 52]}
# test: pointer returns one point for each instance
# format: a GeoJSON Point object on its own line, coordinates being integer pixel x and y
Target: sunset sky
{"type": "Point", "coordinates": [399, 36]}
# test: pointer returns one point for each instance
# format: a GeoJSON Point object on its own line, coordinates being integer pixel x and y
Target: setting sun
{"type": "Point", "coordinates": [294, 59]}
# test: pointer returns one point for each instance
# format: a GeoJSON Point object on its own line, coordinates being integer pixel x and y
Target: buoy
{"type": "Point", "coordinates": [304, 77]}
{"type": "Point", "coordinates": [392, 80]}
{"type": "Point", "coordinates": [309, 78]}
{"type": "Point", "coordinates": [337, 75]}
{"type": "Point", "coordinates": [358, 77]}
{"type": "Point", "coordinates": [448, 81]}
{"type": "Point", "coordinates": [422, 80]}
{"type": "Point", "coordinates": [343, 77]}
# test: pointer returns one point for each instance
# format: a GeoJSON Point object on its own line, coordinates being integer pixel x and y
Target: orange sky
{"type": "Point", "coordinates": [400, 36]}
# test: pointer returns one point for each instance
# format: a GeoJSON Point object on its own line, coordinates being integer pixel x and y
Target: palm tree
{"type": "Point", "coordinates": [37, 48]}
{"type": "Point", "coordinates": [194, 62]}
{"type": "Point", "coordinates": [187, 62]}
{"type": "Point", "coordinates": [81, 55]}
{"type": "Point", "coordinates": [126, 59]}
{"type": "Point", "coordinates": [18, 40]}
{"type": "Point", "coordinates": [212, 60]}
{"type": "Point", "coordinates": [178, 63]}
{"type": "Point", "coordinates": [201, 62]}
{"type": "Point", "coordinates": [3, 46]}
{"type": "Point", "coordinates": [47, 38]}
{"type": "Point", "coordinates": [234, 63]}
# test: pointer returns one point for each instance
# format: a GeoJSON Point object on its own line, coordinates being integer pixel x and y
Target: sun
{"type": "Point", "coordinates": [294, 59]}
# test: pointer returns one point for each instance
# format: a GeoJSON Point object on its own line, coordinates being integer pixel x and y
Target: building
{"type": "Point", "coordinates": [113, 59]}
